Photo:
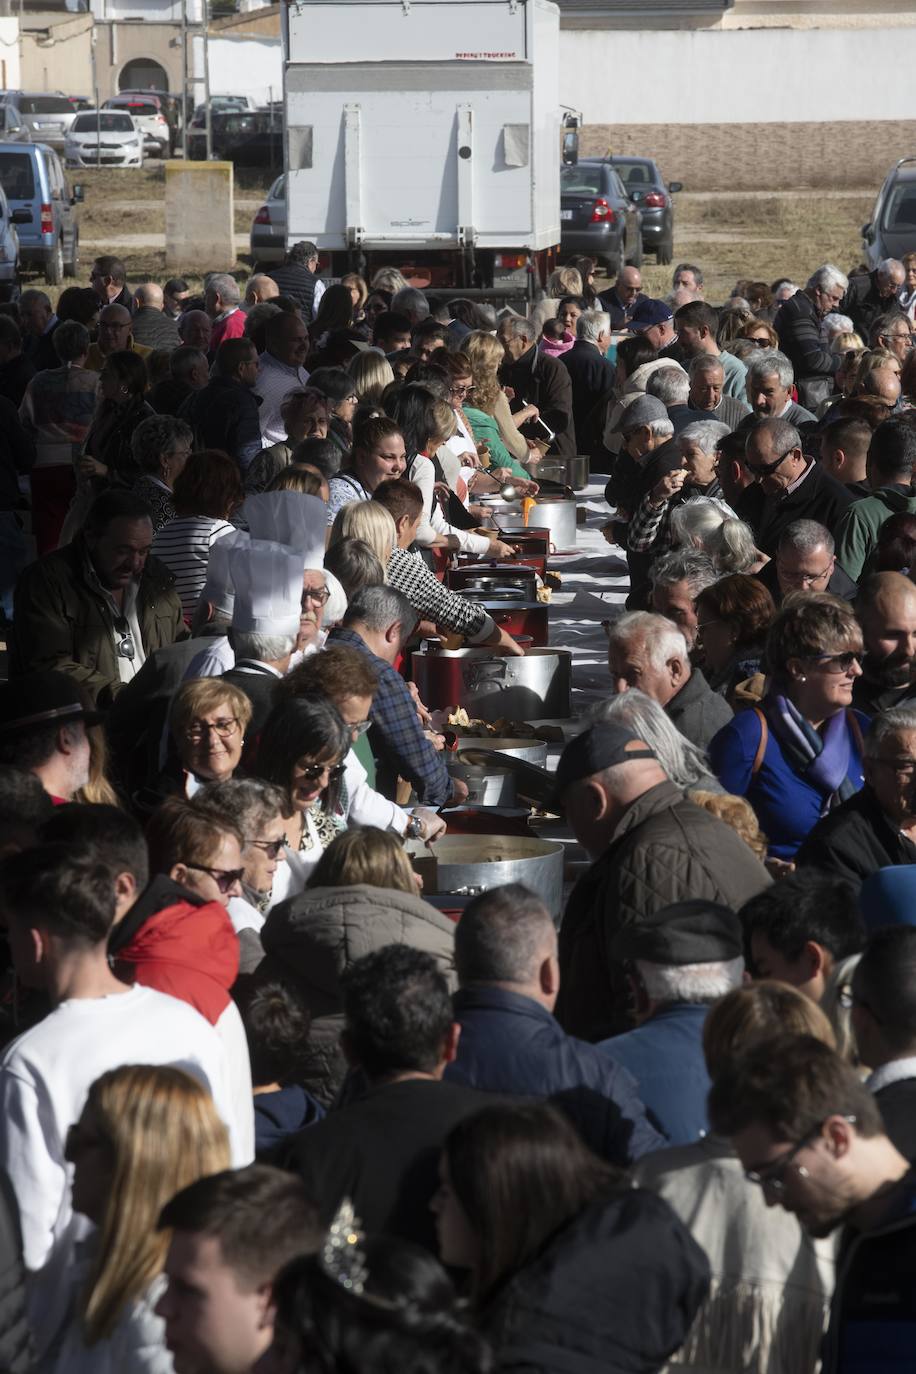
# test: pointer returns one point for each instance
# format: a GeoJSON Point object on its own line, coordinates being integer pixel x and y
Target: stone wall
{"type": "Point", "coordinates": [837, 155]}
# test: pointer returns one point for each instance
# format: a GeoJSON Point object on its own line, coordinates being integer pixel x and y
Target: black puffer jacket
{"type": "Point", "coordinates": [615, 1292]}
{"type": "Point", "coordinates": [799, 328]}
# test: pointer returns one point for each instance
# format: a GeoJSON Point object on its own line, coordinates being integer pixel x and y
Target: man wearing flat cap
{"type": "Point", "coordinates": [650, 847]}
{"type": "Point", "coordinates": [678, 960]}
{"type": "Point", "coordinates": [43, 720]}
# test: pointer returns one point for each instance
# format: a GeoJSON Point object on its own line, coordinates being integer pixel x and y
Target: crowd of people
{"type": "Point", "coordinates": [264, 1108]}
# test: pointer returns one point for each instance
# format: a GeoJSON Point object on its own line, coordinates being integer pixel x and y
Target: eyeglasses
{"type": "Point", "coordinates": [802, 579]}
{"type": "Point", "coordinates": [225, 878]}
{"type": "Point", "coordinates": [271, 847]}
{"type": "Point", "coordinates": [317, 594]}
{"type": "Point", "coordinates": [200, 729]}
{"type": "Point", "coordinates": [313, 771]}
{"type": "Point", "coordinates": [706, 624]}
{"type": "Point", "coordinates": [772, 1177]}
{"type": "Point", "coordinates": [359, 727]}
{"type": "Point", "coordinates": [126, 647]}
{"type": "Point", "coordinates": [760, 343]}
{"type": "Point", "coordinates": [765, 469]}
{"type": "Point", "coordinates": [460, 390]}
{"type": "Point", "coordinates": [835, 663]}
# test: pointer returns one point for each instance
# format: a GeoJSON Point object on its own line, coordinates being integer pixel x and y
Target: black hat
{"type": "Point", "coordinates": [692, 932]}
{"type": "Point", "coordinates": [42, 698]}
{"type": "Point", "coordinates": [597, 748]}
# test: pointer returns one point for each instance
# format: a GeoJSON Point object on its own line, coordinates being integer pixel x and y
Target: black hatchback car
{"type": "Point", "coordinates": [891, 231]}
{"type": "Point", "coordinates": [597, 217]}
{"type": "Point", "coordinates": [646, 186]}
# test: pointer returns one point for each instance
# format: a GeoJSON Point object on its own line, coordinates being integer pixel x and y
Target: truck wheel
{"type": "Point", "coordinates": [664, 253]}
{"type": "Point", "coordinates": [54, 271]}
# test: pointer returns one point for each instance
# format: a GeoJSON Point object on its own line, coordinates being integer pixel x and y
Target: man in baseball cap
{"type": "Point", "coordinates": [43, 721]}
{"type": "Point", "coordinates": [650, 847]}
{"type": "Point", "coordinates": [678, 961]}
{"type": "Point", "coordinates": [655, 319]}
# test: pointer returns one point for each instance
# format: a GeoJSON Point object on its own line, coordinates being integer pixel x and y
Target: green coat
{"type": "Point", "coordinates": [62, 622]}
{"type": "Point", "coordinates": [486, 431]}
{"type": "Point", "coordinates": [857, 534]}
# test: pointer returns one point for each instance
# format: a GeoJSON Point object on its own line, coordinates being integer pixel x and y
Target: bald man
{"type": "Point", "coordinates": [621, 299]}
{"type": "Point", "coordinates": [260, 288]}
{"type": "Point", "coordinates": [115, 335]}
{"type": "Point", "coordinates": [151, 326]}
{"type": "Point", "coordinates": [886, 608]}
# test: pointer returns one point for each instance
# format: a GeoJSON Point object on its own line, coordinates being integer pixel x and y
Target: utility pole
{"type": "Point", "coordinates": [207, 114]}
{"type": "Point", "coordinates": [184, 80]}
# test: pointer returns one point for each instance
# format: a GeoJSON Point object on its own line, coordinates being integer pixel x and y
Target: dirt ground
{"type": "Point", "coordinates": [753, 234]}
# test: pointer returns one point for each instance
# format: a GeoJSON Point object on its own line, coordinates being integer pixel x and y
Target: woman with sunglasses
{"type": "Point", "coordinates": [799, 754]}
{"type": "Point", "coordinates": [302, 750]}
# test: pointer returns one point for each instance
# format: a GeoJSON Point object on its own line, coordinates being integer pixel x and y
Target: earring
{"type": "Point", "coordinates": [803, 679]}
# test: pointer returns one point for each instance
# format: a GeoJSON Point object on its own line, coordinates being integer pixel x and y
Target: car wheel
{"type": "Point", "coordinates": [73, 265]}
{"type": "Point", "coordinates": [54, 270]}
{"type": "Point", "coordinates": [664, 252]}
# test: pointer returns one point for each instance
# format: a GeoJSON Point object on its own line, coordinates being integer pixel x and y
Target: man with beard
{"type": "Point", "coordinates": [886, 610]}
{"type": "Point", "coordinates": [810, 1134]}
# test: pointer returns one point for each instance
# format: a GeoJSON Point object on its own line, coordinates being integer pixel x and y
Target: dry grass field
{"type": "Point", "coordinates": [750, 234]}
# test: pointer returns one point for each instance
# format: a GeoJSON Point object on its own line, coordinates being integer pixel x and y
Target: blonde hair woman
{"type": "Point", "coordinates": [144, 1134]}
{"type": "Point", "coordinates": [368, 521]}
{"type": "Point", "coordinates": [374, 857]}
{"type": "Point", "coordinates": [565, 281]}
{"type": "Point", "coordinates": [371, 372]}
{"type": "Point", "coordinates": [486, 356]}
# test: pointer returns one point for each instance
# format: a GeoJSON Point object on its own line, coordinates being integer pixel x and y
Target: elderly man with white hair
{"type": "Point", "coordinates": [707, 392]}
{"type": "Point", "coordinates": [649, 652]}
{"type": "Point", "coordinates": [870, 294]}
{"type": "Point", "coordinates": [650, 528]}
{"type": "Point", "coordinates": [798, 324]}
{"type": "Point", "coordinates": [541, 380]}
{"type": "Point", "coordinates": [221, 302]}
{"type": "Point", "coordinates": [593, 380]}
{"type": "Point", "coordinates": [770, 378]}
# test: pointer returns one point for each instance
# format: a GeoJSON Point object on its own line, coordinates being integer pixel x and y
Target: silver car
{"type": "Point", "coordinates": [104, 138]}
{"type": "Point", "coordinates": [268, 228]}
{"type": "Point", "coordinates": [12, 129]}
{"type": "Point", "coordinates": [47, 117]}
{"type": "Point", "coordinates": [148, 116]}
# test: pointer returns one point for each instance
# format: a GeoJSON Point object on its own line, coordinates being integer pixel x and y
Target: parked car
{"type": "Point", "coordinates": [33, 179]}
{"type": "Point", "coordinates": [147, 113]}
{"type": "Point", "coordinates": [249, 138]}
{"type": "Point", "coordinates": [104, 138]}
{"type": "Point", "coordinates": [46, 116]}
{"type": "Point", "coordinates": [80, 102]}
{"type": "Point", "coordinates": [597, 217]}
{"type": "Point", "coordinates": [12, 129]}
{"type": "Point", "coordinates": [891, 231]}
{"type": "Point", "coordinates": [645, 185]}
{"type": "Point", "coordinates": [268, 228]}
{"type": "Point", "coordinates": [9, 250]}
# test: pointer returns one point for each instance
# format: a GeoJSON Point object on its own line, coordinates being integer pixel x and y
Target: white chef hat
{"type": "Point", "coordinates": [218, 588]}
{"type": "Point", "coordinates": [291, 518]}
{"type": "Point", "coordinates": [268, 588]}
{"type": "Point", "coordinates": [336, 605]}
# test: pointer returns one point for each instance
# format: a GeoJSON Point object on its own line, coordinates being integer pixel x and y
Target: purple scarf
{"type": "Point", "coordinates": [821, 759]}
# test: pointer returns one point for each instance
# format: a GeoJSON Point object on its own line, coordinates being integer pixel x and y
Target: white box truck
{"type": "Point", "coordinates": [425, 134]}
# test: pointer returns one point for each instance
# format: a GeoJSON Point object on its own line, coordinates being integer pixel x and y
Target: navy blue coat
{"type": "Point", "coordinates": [511, 1044]}
{"type": "Point", "coordinates": [665, 1056]}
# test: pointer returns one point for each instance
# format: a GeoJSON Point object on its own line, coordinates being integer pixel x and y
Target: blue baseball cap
{"type": "Point", "coordinates": [649, 313]}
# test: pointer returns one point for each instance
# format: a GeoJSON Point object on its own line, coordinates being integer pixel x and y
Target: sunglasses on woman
{"type": "Point", "coordinates": [271, 847]}
{"type": "Point", "coordinates": [225, 878]}
{"type": "Point", "coordinates": [313, 771]}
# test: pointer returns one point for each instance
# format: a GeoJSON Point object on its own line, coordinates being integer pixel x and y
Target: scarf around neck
{"type": "Point", "coordinates": [821, 758]}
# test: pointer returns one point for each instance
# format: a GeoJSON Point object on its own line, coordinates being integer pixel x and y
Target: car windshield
{"type": "Point", "coordinates": [242, 123]}
{"type": "Point", "coordinates": [16, 176]}
{"type": "Point", "coordinates": [580, 181]}
{"type": "Point", "coordinates": [901, 208]}
{"type": "Point", "coordinates": [634, 173]}
{"type": "Point", "coordinates": [107, 122]}
{"type": "Point", "coordinates": [45, 104]}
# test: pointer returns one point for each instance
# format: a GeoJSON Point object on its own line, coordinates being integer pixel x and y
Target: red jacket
{"type": "Point", "coordinates": [175, 942]}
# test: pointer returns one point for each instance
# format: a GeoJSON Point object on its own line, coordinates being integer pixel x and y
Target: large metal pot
{"type": "Point", "coordinates": [492, 578]}
{"type": "Point", "coordinates": [528, 750]}
{"type": "Point", "coordinates": [514, 614]}
{"type": "Point", "coordinates": [493, 687]}
{"type": "Point", "coordinates": [486, 786]}
{"type": "Point", "coordinates": [569, 472]}
{"type": "Point", "coordinates": [466, 863]}
{"type": "Point", "coordinates": [555, 513]}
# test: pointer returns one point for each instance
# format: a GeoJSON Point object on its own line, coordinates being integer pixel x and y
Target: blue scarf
{"type": "Point", "coordinates": [821, 758]}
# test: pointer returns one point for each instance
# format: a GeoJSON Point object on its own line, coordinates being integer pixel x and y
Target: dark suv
{"type": "Point", "coordinates": [646, 185]}
{"type": "Point", "coordinates": [597, 217]}
{"type": "Point", "coordinates": [891, 231]}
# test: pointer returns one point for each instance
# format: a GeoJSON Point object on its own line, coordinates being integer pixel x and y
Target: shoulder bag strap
{"type": "Point", "coordinates": [762, 746]}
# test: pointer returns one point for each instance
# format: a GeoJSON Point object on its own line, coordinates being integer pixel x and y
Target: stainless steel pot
{"type": "Point", "coordinates": [486, 786]}
{"type": "Point", "coordinates": [493, 687]}
{"type": "Point", "coordinates": [465, 863]}
{"type": "Point", "coordinates": [556, 513]}
{"type": "Point", "coordinates": [528, 750]}
{"type": "Point", "coordinates": [571, 472]}
{"type": "Point", "coordinates": [491, 578]}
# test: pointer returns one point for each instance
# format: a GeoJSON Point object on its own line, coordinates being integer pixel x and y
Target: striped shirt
{"type": "Point", "coordinates": [183, 545]}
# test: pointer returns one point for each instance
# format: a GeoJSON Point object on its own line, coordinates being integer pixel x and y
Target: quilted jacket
{"type": "Point", "coordinates": [314, 937]}
{"type": "Point", "coordinates": [665, 850]}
